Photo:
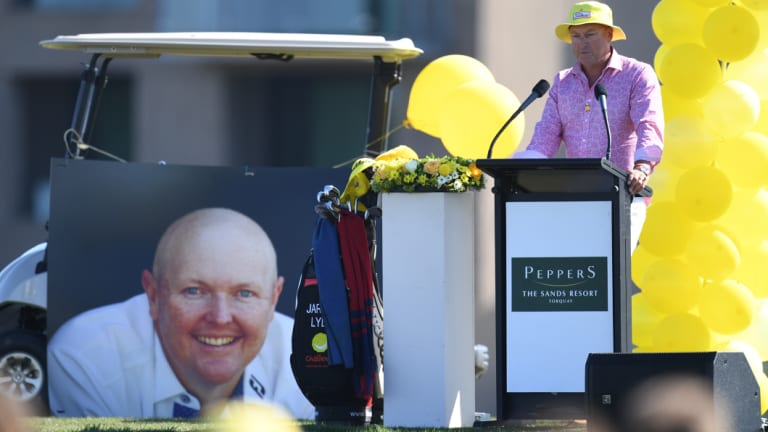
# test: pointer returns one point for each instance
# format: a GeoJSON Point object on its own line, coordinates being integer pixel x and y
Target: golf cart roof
{"type": "Point", "coordinates": [238, 44]}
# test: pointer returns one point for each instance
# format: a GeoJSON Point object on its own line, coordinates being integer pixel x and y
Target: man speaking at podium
{"type": "Point", "coordinates": [602, 88]}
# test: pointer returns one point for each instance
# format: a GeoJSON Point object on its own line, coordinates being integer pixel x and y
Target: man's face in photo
{"type": "Point", "coordinates": [213, 304]}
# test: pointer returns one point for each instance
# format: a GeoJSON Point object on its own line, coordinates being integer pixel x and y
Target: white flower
{"type": "Point", "coordinates": [411, 165]}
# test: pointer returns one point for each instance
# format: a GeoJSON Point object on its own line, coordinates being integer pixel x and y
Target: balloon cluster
{"type": "Point", "coordinates": [703, 254]}
{"type": "Point", "coordinates": [457, 99]}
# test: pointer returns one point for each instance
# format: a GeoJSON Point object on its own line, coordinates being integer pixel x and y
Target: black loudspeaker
{"type": "Point", "coordinates": [671, 391]}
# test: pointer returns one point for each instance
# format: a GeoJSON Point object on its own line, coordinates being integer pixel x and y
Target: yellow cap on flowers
{"type": "Point", "coordinates": [589, 12]}
{"type": "Point", "coordinates": [358, 183]}
{"type": "Point", "coordinates": [399, 152]}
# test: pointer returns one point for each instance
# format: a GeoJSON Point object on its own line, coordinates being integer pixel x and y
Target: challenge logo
{"type": "Point", "coordinates": [560, 284]}
{"type": "Point", "coordinates": [320, 342]}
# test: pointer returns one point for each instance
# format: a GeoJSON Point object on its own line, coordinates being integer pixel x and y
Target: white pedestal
{"type": "Point", "coordinates": [428, 285]}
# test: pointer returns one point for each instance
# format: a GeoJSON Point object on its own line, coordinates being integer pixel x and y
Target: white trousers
{"type": "Point", "coordinates": [636, 220]}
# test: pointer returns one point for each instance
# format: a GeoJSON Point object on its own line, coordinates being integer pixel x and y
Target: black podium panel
{"type": "Point", "coordinates": [557, 203]}
{"type": "Point", "coordinates": [722, 382]}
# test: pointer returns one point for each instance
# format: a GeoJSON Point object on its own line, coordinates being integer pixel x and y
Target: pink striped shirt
{"type": "Point", "coordinates": [572, 115]}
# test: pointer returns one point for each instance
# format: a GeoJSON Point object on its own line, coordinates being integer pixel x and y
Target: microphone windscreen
{"type": "Point", "coordinates": [541, 87]}
{"type": "Point", "coordinates": [600, 91]}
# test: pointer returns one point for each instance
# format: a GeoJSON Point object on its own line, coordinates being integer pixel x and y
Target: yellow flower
{"type": "Point", "coordinates": [381, 172]}
{"type": "Point", "coordinates": [431, 166]}
{"type": "Point", "coordinates": [475, 171]}
{"type": "Point", "coordinates": [446, 168]}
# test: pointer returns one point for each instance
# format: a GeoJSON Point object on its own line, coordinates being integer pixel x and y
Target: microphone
{"type": "Point", "coordinates": [538, 91]}
{"type": "Point", "coordinates": [602, 97]}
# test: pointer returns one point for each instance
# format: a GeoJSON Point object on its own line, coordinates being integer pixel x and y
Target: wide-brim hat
{"type": "Point", "coordinates": [589, 12]}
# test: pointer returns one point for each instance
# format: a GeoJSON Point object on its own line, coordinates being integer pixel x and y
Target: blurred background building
{"type": "Point", "coordinates": [205, 111]}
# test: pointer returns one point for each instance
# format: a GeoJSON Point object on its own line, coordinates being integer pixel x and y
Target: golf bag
{"type": "Point", "coordinates": [337, 343]}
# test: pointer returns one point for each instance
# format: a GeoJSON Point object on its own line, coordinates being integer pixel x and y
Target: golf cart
{"type": "Point", "coordinates": [23, 283]}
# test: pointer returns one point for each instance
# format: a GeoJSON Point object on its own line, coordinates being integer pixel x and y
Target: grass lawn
{"type": "Point", "coordinates": [52, 424]}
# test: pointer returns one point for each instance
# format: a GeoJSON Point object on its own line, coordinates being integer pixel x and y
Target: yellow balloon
{"type": "Point", "coordinates": [755, 4]}
{"type": "Point", "coordinates": [670, 286]}
{"type": "Point", "coordinates": [752, 71]}
{"type": "Point", "coordinates": [667, 229]}
{"type": "Point", "coordinates": [712, 254]}
{"type": "Point", "coordinates": [664, 181]}
{"type": "Point", "coordinates": [711, 3]}
{"type": "Point", "coordinates": [704, 193]}
{"type": "Point", "coordinates": [750, 354]}
{"type": "Point", "coordinates": [471, 116]}
{"type": "Point", "coordinates": [689, 142]}
{"type": "Point", "coordinates": [678, 21]}
{"type": "Point", "coordinates": [641, 259]}
{"type": "Point", "coordinates": [681, 332]}
{"type": "Point", "coordinates": [762, 383]}
{"type": "Point", "coordinates": [731, 32]}
{"type": "Point", "coordinates": [751, 272]}
{"type": "Point", "coordinates": [644, 321]}
{"type": "Point", "coordinates": [756, 335]}
{"type": "Point", "coordinates": [661, 51]}
{"type": "Point", "coordinates": [762, 120]}
{"type": "Point", "coordinates": [747, 217]}
{"type": "Point", "coordinates": [245, 416]}
{"type": "Point", "coordinates": [727, 306]}
{"type": "Point", "coordinates": [676, 105]}
{"type": "Point", "coordinates": [690, 70]}
{"type": "Point", "coordinates": [436, 80]}
{"type": "Point", "coordinates": [744, 159]}
{"type": "Point", "coordinates": [731, 108]}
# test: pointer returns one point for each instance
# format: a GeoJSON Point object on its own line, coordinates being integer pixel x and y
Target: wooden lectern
{"type": "Point", "coordinates": [563, 283]}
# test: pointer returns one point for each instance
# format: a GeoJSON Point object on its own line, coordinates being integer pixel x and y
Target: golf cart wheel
{"type": "Point", "coordinates": [22, 365]}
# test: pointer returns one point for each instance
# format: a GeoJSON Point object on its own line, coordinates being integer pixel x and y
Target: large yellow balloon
{"type": "Point", "coordinates": [641, 259]}
{"type": "Point", "coordinates": [704, 193]}
{"type": "Point", "coordinates": [727, 307]}
{"type": "Point", "coordinates": [750, 354]}
{"type": "Point", "coordinates": [676, 105]}
{"type": "Point", "coordinates": [744, 159]}
{"type": "Point", "coordinates": [731, 32]}
{"type": "Point", "coordinates": [471, 116]}
{"type": "Point", "coordinates": [756, 335]}
{"type": "Point", "coordinates": [762, 119]}
{"type": "Point", "coordinates": [434, 82]}
{"type": "Point", "coordinates": [664, 182]}
{"type": "Point", "coordinates": [670, 286]}
{"type": "Point", "coordinates": [682, 332]}
{"type": "Point", "coordinates": [762, 383]}
{"type": "Point", "coordinates": [711, 3]}
{"type": "Point", "coordinates": [644, 321]}
{"type": "Point", "coordinates": [752, 70]}
{"type": "Point", "coordinates": [690, 70]}
{"type": "Point", "coordinates": [731, 107]}
{"type": "Point", "coordinates": [757, 5]}
{"type": "Point", "coordinates": [678, 21]}
{"type": "Point", "coordinates": [689, 142]}
{"type": "Point", "coordinates": [712, 254]}
{"type": "Point", "coordinates": [747, 217]}
{"type": "Point", "coordinates": [667, 229]}
{"type": "Point", "coordinates": [752, 273]}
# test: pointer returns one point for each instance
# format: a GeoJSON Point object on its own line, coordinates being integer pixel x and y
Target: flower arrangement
{"type": "Point", "coordinates": [427, 174]}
